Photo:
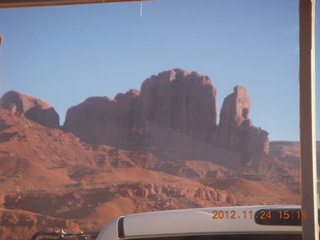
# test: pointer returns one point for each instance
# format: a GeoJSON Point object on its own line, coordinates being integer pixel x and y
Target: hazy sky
{"type": "Point", "coordinates": [64, 55]}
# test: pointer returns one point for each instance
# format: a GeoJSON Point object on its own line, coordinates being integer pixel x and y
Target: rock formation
{"type": "Point", "coordinates": [174, 108]}
{"type": "Point", "coordinates": [236, 132]}
{"type": "Point", "coordinates": [33, 108]}
{"type": "Point", "coordinates": [180, 101]}
{"type": "Point", "coordinates": [174, 116]}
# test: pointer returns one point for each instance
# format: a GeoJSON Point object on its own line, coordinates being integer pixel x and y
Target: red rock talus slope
{"type": "Point", "coordinates": [49, 177]}
{"type": "Point", "coordinates": [51, 180]}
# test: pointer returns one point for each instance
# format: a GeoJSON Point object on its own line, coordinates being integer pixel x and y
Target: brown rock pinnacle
{"type": "Point", "coordinates": [235, 131]}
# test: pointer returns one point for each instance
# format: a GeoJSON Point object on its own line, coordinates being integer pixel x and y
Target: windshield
{"type": "Point", "coordinates": [114, 109]}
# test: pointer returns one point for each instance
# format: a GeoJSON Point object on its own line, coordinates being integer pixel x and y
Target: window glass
{"type": "Point", "coordinates": [114, 109]}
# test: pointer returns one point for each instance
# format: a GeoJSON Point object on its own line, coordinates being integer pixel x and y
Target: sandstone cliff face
{"type": "Point", "coordinates": [105, 120]}
{"type": "Point", "coordinates": [33, 108]}
{"type": "Point", "coordinates": [100, 120]}
{"type": "Point", "coordinates": [180, 101]}
{"type": "Point", "coordinates": [174, 108]}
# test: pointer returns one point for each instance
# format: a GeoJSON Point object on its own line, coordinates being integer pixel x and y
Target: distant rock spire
{"type": "Point", "coordinates": [235, 130]}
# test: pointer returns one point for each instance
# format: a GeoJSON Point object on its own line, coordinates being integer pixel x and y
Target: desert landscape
{"type": "Point", "coordinates": [157, 148]}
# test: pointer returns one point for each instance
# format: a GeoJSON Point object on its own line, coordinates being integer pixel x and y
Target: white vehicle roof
{"type": "Point", "coordinates": [200, 221]}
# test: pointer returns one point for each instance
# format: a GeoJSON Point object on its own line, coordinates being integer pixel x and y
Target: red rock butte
{"type": "Point", "coordinates": [175, 109]}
